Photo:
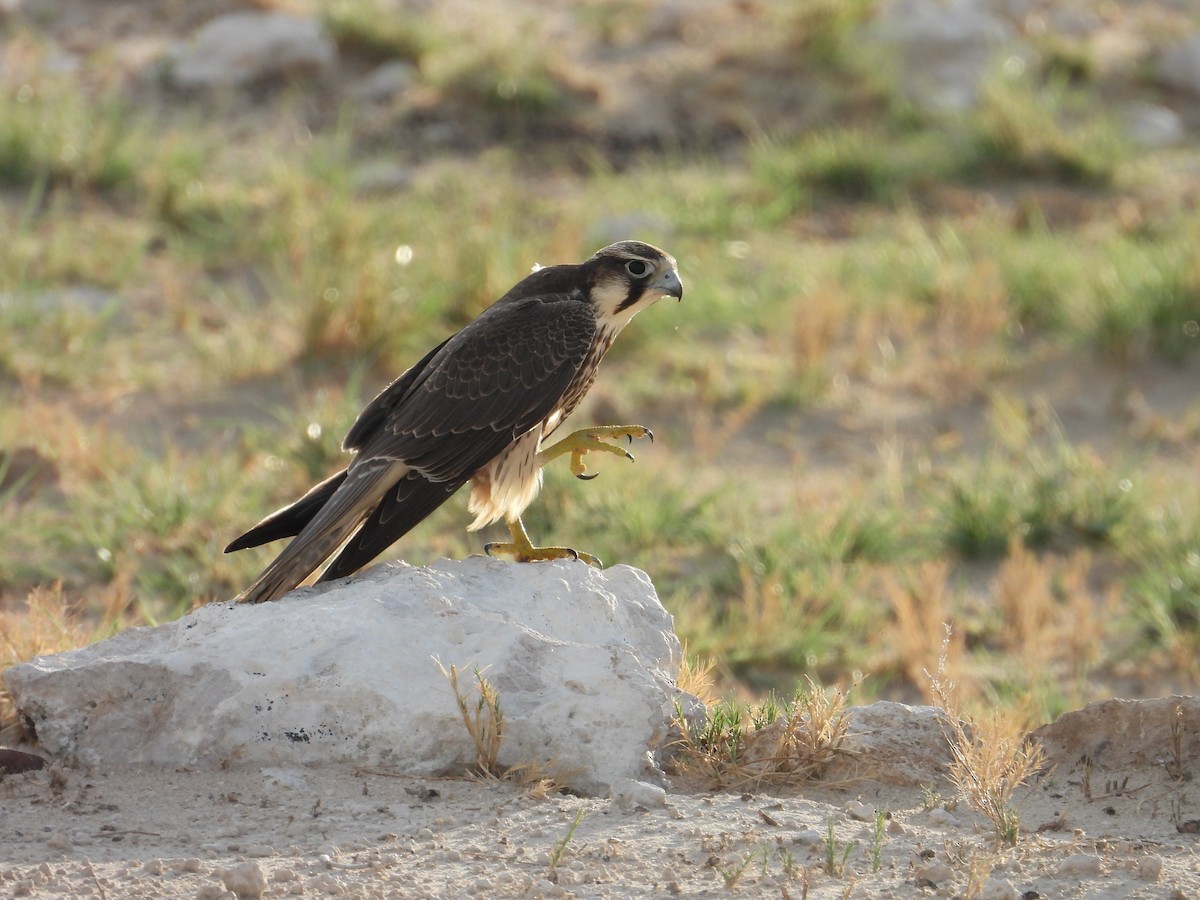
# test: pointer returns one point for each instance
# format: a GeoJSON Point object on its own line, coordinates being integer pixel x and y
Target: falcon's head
{"type": "Point", "coordinates": [628, 276]}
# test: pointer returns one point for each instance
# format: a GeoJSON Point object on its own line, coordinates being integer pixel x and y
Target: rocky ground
{"type": "Point", "coordinates": [1123, 824]}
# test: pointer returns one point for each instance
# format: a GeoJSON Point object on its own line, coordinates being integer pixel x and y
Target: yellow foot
{"type": "Point", "coordinates": [584, 441]}
{"type": "Point", "coordinates": [521, 549]}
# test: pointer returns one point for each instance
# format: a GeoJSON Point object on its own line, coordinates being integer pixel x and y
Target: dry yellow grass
{"type": "Point", "coordinates": [991, 755]}
{"type": "Point", "coordinates": [50, 622]}
{"type": "Point", "coordinates": [764, 746]}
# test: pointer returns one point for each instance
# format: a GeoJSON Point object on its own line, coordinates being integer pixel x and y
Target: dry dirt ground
{"type": "Point", "coordinates": [1108, 817]}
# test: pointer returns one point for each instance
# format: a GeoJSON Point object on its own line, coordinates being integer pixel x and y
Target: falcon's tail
{"type": "Point", "coordinates": [353, 498]}
{"type": "Point", "coordinates": [288, 521]}
{"type": "Point", "coordinates": [403, 508]}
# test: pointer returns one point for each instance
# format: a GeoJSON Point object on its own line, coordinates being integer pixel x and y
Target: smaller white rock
{"type": "Point", "coordinates": [936, 872]}
{"type": "Point", "coordinates": [279, 777]}
{"type": "Point", "coordinates": [859, 811]}
{"type": "Point", "coordinates": [941, 816]}
{"type": "Point", "coordinates": [999, 889]}
{"type": "Point", "coordinates": [1149, 868]}
{"type": "Point", "coordinates": [1080, 865]}
{"type": "Point", "coordinates": [60, 840]}
{"type": "Point", "coordinates": [628, 794]}
{"type": "Point", "coordinates": [246, 879]}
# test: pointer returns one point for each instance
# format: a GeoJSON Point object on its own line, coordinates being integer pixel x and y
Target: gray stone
{"type": "Point", "coordinates": [1151, 125]}
{"type": "Point", "coordinates": [242, 48]}
{"type": "Point", "coordinates": [1179, 66]}
{"type": "Point", "coordinates": [384, 83]}
{"type": "Point", "coordinates": [584, 661]}
{"type": "Point", "coordinates": [942, 48]}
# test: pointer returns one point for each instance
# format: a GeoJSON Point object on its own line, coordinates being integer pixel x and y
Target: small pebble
{"type": "Point", "coordinates": [999, 889]}
{"type": "Point", "coordinates": [937, 872]}
{"type": "Point", "coordinates": [859, 811]}
{"type": "Point", "coordinates": [629, 794]}
{"type": "Point", "coordinates": [60, 840]}
{"type": "Point", "coordinates": [1080, 864]}
{"type": "Point", "coordinates": [939, 816]}
{"type": "Point", "coordinates": [1149, 868]}
{"type": "Point", "coordinates": [808, 838]}
{"type": "Point", "coordinates": [245, 879]}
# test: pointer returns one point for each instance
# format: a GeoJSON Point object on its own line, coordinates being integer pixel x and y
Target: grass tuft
{"type": "Point", "coordinates": [368, 30]}
{"type": "Point", "coordinates": [991, 757]}
{"type": "Point", "coordinates": [769, 743]}
{"type": "Point", "coordinates": [482, 718]}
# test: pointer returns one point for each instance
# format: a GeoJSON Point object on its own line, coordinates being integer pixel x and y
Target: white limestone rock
{"type": "Point", "coordinates": [243, 48]}
{"type": "Point", "coordinates": [584, 662]}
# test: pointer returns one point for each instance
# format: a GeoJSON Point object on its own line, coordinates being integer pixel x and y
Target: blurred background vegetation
{"type": "Point", "coordinates": [937, 360]}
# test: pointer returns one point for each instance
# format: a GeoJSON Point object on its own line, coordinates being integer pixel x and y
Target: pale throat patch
{"type": "Point", "coordinates": [607, 296]}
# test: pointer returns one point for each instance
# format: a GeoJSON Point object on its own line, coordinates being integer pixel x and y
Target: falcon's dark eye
{"type": "Point", "coordinates": [637, 268]}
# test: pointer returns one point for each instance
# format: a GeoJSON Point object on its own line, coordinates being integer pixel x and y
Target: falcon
{"type": "Point", "coordinates": [477, 408]}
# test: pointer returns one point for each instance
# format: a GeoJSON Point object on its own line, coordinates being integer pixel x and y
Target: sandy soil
{"type": "Point", "coordinates": [1115, 815]}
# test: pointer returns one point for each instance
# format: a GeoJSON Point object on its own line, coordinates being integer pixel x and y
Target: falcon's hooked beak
{"type": "Point", "coordinates": [668, 282]}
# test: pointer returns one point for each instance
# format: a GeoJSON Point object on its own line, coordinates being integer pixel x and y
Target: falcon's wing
{"type": "Point", "coordinates": [485, 387]}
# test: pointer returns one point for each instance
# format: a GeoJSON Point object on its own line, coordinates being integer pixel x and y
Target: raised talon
{"type": "Point", "coordinates": [583, 476]}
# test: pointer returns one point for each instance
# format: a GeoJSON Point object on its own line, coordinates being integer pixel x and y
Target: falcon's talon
{"type": "Point", "coordinates": [583, 476]}
{"type": "Point", "coordinates": [520, 549]}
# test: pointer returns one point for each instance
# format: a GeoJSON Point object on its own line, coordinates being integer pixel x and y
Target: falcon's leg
{"type": "Point", "coordinates": [585, 440]}
{"type": "Point", "coordinates": [521, 548]}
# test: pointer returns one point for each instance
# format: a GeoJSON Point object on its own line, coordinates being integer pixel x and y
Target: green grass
{"type": "Point", "coordinates": [854, 405]}
{"type": "Point", "coordinates": [369, 31]}
{"type": "Point", "coordinates": [53, 134]}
